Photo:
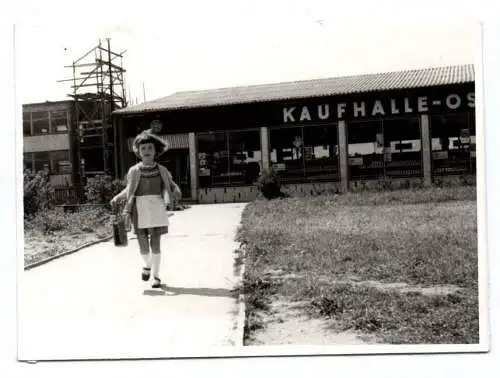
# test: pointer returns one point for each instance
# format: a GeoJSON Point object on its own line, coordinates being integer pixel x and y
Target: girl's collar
{"type": "Point", "coordinates": [148, 165]}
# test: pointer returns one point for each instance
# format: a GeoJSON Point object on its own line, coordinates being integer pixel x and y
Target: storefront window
{"type": "Point", "coordinates": [26, 123]}
{"type": "Point", "coordinates": [42, 161]}
{"type": "Point", "coordinates": [229, 158]}
{"type": "Point", "coordinates": [453, 141]}
{"type": "Point", "coordinates": [59, 121]}
{"type": "Point", "coordinates": [321, 153]}
{"type": "Point", "coordinates": [403, 147]}
{"type": "Point", "coordinates": [244, 157]}
{"type": "Point", "coordinates": [40, 122]}
{"type": "Point", "coordinates": [287, 153]}
{"type": "Point", "coordinates": [365, 150]}
{"type": "Point", "coordinates": [60, 163]}
{"type": "Point", "coordinates": [384, 149]}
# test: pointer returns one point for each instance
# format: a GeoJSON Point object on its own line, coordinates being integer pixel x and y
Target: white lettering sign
{"type": "Point", "coordinates": [305, 115]}
{"type": "Point", "coordinates": [359, 109]}
{"type": "Point", "coordinates": [378, 108]}
{"type": "Point", "coordinates": [287, 115]}
{"type": "Point", "coordinates": [453, 101]}
{"type": "Point", "coordinates": [392, 106]}
{"type": "Point", "coordinates": [323, 112]}
{"type": "Point", "coordinates": [422, 104]}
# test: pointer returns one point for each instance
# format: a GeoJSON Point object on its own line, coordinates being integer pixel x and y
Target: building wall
{"type": "Point", "coordinates": [42, 143]}
{"type": "Point", "coordinates": [407, 148]}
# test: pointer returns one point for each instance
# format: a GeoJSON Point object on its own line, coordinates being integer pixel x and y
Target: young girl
{"type": "Point", "coordinates": [149, 190]}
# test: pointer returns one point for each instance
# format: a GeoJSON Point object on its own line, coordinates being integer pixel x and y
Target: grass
{"type": "Point", "coordinates": [52, 232]}
{"type": "Point", "coordinates": [316, 248]}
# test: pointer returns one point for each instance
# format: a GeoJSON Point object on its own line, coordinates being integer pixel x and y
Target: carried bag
{"type": "Point", "coordinates": [121, 226]}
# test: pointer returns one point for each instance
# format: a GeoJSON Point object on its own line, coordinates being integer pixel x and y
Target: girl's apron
{"type": "Point", "coordinates": [151, 211]}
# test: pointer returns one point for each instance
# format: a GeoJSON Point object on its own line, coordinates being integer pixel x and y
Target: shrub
{"type": "Point", "coordinates": [269, 184]}
{"type": "Point", "coordinates": [38, 192]}
{"type": "Point", "coordinates": [102, 188]}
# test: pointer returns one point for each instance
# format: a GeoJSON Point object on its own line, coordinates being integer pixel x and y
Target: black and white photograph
{"type": "Point", "coordinates": [278, 183]}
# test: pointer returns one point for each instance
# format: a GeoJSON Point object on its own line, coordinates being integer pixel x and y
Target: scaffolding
{"type": "Point", "coordinates": [98, 89]}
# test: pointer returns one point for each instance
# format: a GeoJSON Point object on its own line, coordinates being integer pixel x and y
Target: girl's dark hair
{"type": "Point", "coordinates": [145, 138]}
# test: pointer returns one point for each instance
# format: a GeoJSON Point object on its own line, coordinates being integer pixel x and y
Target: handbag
{"type": "Point", "coordinates": [120, 229]}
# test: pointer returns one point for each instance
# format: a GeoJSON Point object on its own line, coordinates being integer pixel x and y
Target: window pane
{"type": "Point", "coordinates": [365, 150]}
{"type": "Point", "coordinates": [403, 156]}
{"type": "Point", "coordinates": [287, 153]}
{"type": "Point", "coordinates": [244, 157]}
{"type": "Point", "coordinates": [40, 122]}
{"type": "Point", "coordinates": [60, 162]}
{"type": "Point", "coordinates": [321, 153]}
{"type": "Point", "coordinates": [26, 124]}
{"type": "Point", "coordinates": [42, 161]}
{"type": "Point", "coordinates": [59, 121]}
{"type": "Point", "coordinates": [213, 159]}
{"type": "Point", "coordinates": [451, 144]}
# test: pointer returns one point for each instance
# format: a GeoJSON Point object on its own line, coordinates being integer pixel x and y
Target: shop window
{"type": "Point", "coordinates": [244, 157]}
{"type": "Point", "coordinates": [365, 150]}
{"type": "Point", "coordinates": [384, 149]}
{"type": "Point", "coordinates": [213, 159]}
{"type": "Point", "coordinates": [286, 156]}
{"type": "Point", "coordinates": [453, 142]}
{"type": "Point", "coordinates": [40, 123]}
{"type": "Point", "coordinates": [41, 161]}
{"type": "Point", "coordinates": [59, 121]}
{"type": "Point", "coordinates": [321, 153]}
{"type": "Point", "coordinates": [229, 158]}
{"type": "Point", "coordinates": [402, 147]}
{"type": "Point", "coordinates": [26, 123]}
{"type": "Point", "coordinates": [60, 163]}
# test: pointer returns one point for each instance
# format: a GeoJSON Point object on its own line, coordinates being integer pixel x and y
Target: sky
{"type": "Point", "coordinates": [194, 45]}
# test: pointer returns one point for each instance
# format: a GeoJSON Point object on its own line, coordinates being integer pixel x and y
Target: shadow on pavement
{"type": "Point", "coordinates": [165, 290]}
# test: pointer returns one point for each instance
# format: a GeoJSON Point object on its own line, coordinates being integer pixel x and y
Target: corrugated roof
{"type": "Point", "coordinates": [408, 79]}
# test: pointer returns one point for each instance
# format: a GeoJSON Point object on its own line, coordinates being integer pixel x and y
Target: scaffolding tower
{"type": "Point", "coordinates": [98, 89]}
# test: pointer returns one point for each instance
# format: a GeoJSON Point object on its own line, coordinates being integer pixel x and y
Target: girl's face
{"type": "Point", "coordinates": [147, 152]}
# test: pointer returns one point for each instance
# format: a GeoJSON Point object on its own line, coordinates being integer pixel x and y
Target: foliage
{"type": "Point", "coordinates": [38, 192]}
{"type": "Point", "coordinates": [102, 188]}
{"type": "Point", "coordinates": [269, 184]}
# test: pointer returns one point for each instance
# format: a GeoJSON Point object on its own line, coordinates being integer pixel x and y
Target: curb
{"type": "Point", "coordinates": [51, 258]}
{"type": "Point", "coordinates": [241, 314]}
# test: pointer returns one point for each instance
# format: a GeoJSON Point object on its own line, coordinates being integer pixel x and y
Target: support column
{"type": "Point", "coordinates": [193, 165]}
{"type": "Point", "coordinates": [426, 149]}
{"type": "Point", "coordinates": [264, 146]}
{"type": "Point", "coordinates": [343, 153]}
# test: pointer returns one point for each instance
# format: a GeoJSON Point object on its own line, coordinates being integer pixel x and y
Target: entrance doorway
{"type": "Point", "coordinates": [177, 162]}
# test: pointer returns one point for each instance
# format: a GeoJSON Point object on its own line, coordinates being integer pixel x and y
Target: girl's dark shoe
{"type": "Point", "coordinates": [146, 274]}
{"type": "Point", "coordinates": [156, 283]}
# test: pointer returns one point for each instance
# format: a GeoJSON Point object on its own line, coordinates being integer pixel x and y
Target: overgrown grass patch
{"type": "Point", "coordinates": [52, 232]}
{"type": "Point", "coordinates": [423, 237]}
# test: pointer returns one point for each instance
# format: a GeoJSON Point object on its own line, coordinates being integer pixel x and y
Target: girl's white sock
{"type": "Point", "coordinates": [147, 259]}
{"type": "Point", "coordinates": [156, 257]}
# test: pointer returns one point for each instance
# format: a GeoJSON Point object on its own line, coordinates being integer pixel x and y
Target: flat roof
{"type": "Point", "coordinates": [407, 79]}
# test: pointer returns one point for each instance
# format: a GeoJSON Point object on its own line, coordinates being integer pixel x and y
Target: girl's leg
{"type": "Point", "coordinates": [156, 257]}
{"type": "Point", "coordinates": [143, 240]}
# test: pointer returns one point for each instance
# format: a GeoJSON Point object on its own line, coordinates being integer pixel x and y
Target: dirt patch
{"type": "Point", "coordinates": [287, 323]}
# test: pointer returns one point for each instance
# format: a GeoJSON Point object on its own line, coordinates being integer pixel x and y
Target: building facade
{"type": "Point", "coordinates": [46, 140]}
{"type": "Point", "coordinates": [331, 135]}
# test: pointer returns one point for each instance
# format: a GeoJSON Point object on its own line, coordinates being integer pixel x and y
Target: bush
{"type": "Point", "coordinates": [102, 188]}
{"type": "Point", "coordinates": [269, 184]}
{"type": "Point", "coordinates": [38, 192]}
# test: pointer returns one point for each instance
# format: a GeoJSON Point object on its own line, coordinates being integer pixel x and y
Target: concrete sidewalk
{"type": "Point", "coordinates": [93, 304]}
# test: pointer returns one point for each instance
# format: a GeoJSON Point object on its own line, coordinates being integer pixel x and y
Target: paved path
{"type": "Point", "coordinates": [93, 304]}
